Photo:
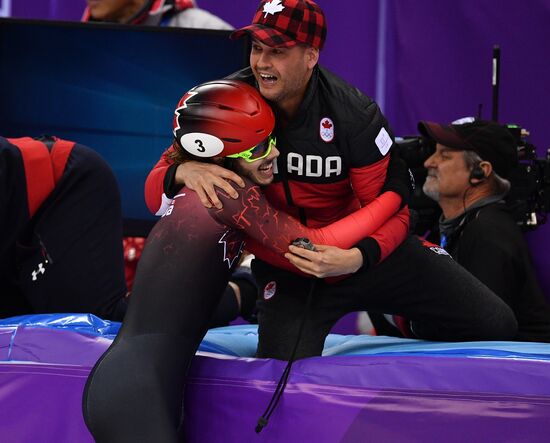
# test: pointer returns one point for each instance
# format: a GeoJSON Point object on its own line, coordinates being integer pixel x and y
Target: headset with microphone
{"type": "Point", "coordinates": [477, 173]}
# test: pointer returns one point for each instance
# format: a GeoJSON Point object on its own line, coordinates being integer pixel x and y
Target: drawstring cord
{"type": "Point", "coordinates": [263, 420]}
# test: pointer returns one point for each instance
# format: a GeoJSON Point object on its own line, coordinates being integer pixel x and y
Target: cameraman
{"type": "Point", "coordinates": [467, 176]}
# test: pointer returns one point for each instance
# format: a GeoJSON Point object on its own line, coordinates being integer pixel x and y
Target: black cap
{"type": "Point", "coordinates": [492, 142]}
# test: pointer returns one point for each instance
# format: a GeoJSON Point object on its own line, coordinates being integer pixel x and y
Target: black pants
{"type": "Point", "coordinates": [441, 299]}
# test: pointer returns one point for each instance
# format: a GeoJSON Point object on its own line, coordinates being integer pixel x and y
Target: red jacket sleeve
{"type": "Point", "coordinates": [392, 233]}
{"type": "Point", "coordinates": [269, 231]}
{"type": "Point", "coordinates": [155, 196]}
{"type": "Point", "coordinates": [367, 183]}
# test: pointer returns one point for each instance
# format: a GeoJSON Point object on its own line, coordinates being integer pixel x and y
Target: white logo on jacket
{"type": "Point", "coordinates": [314, 165]}
{"type": "Point", "coordinates": [40, 270]}
{"type": "Point", "coordinates": [326, 129]}
{"type": "Point", "coordinates": [270, 290]}
{"type": "Point", "coordinates": [383, 141]}
{"type": "Point", "coordinates": [439, 251]}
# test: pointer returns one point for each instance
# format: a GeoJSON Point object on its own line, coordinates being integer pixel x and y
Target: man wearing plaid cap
{"type": "Point", "coordinates": [468, 176]}
{"type": "Point", "coordinates": [335, 157]}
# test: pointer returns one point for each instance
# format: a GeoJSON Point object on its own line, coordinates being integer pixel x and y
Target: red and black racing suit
{"type": "Point", "coordinates": [135, 390]}
{"type": "Point", "coordinates": [334, 158]}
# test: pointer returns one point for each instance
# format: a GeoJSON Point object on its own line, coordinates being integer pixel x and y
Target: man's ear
{"type": "Point", "coordinates": [486, 167]}
{"type": "Point", "coordinates": [312, 56]}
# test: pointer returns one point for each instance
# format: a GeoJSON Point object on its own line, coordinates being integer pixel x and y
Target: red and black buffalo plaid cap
{"type": "Point", "coordinates": [285, 23]}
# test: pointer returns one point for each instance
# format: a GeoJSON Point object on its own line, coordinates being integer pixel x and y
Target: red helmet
{"type": "Point", "coordinates": [221, 118]}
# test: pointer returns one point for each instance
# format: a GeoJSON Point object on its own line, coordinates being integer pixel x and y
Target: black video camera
{"type": "Point", "coordinates": [529, 196]}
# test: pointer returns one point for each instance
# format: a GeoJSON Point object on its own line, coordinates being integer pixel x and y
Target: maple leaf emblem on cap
{"type": "Point", "coordinates": [272, 7]}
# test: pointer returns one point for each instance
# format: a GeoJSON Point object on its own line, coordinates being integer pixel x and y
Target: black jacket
{"type": "Point", "coordinates": [334, 159]}
{"type": "Point", "coordinates": [491, 246]}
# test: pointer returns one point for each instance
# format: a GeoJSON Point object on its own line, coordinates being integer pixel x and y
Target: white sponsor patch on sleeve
{"type": "Point", "coordinates": [383, 141]}
{"type": "Point", "coordinates": [164, 205]}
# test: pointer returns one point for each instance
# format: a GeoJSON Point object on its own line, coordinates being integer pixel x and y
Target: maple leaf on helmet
{"type": "Point", "coordinates": [272, 7]}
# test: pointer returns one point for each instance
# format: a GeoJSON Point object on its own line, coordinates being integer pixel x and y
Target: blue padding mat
{"type": "Point", "coordinates": [84, 323]}
{"type": "Point", "coordinates": [241, 340]}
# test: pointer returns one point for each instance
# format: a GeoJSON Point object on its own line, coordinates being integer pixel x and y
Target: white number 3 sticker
{"type": "Point", "coordinates": [201, 144]}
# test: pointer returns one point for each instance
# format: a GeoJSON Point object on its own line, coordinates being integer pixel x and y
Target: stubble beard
{"type": "Point", "coordinates": [431, 190]}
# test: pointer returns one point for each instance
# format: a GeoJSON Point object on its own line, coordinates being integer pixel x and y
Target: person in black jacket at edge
{"type": "Point", "coordinates": [467, 176]}
{"type": "Point", "coordinates": [61, 224]}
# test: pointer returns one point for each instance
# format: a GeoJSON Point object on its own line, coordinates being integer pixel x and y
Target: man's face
{"type": "Point", "coordinates": [260, 171]}
{"type": "Point", "coordinates": [282, 73]}
{"type": "Point", "coordinates": [448, 176]}
{"type": "Point", "coordinates": [114, 10]}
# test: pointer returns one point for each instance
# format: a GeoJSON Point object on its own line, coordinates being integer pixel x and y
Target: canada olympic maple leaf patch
{"type": "Point", "coordinates": [270, 289]}
{"type": "Point", "coordinates": [326, 129]}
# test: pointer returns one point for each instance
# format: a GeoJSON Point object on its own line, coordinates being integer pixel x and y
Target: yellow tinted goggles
{"type": "Point", "coordinates": [261, 150]}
